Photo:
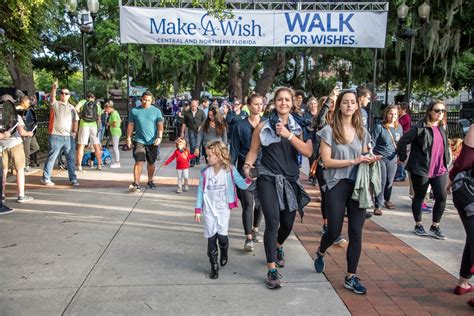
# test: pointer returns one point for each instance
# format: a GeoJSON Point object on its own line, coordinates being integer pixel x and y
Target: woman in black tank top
{"type": "Point", "coordinates": [278, 187]}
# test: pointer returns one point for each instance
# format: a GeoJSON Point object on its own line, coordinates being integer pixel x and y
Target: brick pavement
{"type": "Point", "coordinates": [399, 280]}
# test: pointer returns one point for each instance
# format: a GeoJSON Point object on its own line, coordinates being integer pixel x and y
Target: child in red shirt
{"type": "Point", "coordinates": [182, 156]}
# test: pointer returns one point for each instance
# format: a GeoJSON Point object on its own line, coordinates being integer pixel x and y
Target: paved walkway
{"type": "Point", "coordinates": [97, 249]}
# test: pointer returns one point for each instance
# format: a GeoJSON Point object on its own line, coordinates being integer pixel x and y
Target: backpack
{"type": "Point", "coordinates": [463, 188]}
{"type": "Point", "coordinates": [89, 112]}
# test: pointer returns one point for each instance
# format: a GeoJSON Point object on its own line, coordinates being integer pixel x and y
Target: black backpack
{"type": "Point", "coordinates": [463, 188]}
{"type": "Point", "coordinates": [89, 112]}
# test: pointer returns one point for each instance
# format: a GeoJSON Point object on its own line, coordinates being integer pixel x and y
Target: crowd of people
{"type": "Point", "coordinates": [253, 153]}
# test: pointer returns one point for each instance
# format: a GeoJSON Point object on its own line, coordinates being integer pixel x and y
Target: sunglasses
{"type": "Point", "coordinates": [439, 110]}
{"type": "Point", "coordinates": [65, 93]}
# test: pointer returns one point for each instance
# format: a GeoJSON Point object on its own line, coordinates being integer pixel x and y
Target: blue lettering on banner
{"type": "Point", "coordinates": [170, 28]}
{"type": "Point", "coordinates": [312, 21]}
{"type": "Point", "coordinates": [233, 27]}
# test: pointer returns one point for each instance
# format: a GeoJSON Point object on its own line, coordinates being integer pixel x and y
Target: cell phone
{"type": "Point", "coordinates": [254, 173]}
{"type": "Point", "coordinates": [339, 85]}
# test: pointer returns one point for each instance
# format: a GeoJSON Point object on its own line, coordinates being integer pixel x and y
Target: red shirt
{"type": "Point", "coordinates": [182, 159]}
{"type": "Point", "coordinates": [405, 122]}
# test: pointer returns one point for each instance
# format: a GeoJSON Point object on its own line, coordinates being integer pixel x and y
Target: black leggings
{"type": "Point", "coordinates": [420, 186]}
{"type": "Point", "coordinates": [338, 199]}
{"type": "Point", "coordinates": [212, 243]}
{"type": "Point", "coordinates": [251, 216]}
{"type": "Point", "coordinates": [321, 183]}
{"type": "Point", "coordinates": [278, 224]}
{"type": "Point", "coordinates": [468, 254]}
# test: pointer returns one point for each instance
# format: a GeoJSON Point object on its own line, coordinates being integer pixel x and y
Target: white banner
{"type": "Point", "coordinates": [253, 28]}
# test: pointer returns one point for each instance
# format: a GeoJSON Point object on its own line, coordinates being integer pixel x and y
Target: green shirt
{"type": "Point", "coordinates": [83, 123]}
{"type": "Point", "coordinates": [115, 118]}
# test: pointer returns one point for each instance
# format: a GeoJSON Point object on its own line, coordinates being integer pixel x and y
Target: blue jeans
{"type": "Point", "coordinates": [56, 143]}
{"type": "Point", "coordinates": [192, 144]}
{"type": "Point", "coordinates": [387, 170]}
{"type": "Point", "coordinates": [400, 175]}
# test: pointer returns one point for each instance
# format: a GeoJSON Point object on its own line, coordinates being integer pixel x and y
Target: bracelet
{"type": "Point", "coordinates": [291, 137]}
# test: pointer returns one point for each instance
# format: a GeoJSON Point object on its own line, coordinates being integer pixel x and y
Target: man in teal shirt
{"type": "Point", "coordinates": [147, 123]}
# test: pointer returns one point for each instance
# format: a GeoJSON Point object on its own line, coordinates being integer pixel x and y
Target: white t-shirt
{"type": "Point", "coordinates": [215, 199]}
{"type": "Point", "coordinates": [15, 138]}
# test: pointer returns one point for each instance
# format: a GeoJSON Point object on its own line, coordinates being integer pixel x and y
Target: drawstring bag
{"type": "Point", "coordinates": [463, 191]}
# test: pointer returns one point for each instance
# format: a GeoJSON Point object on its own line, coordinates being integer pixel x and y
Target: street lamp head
{"type": "Point", "coordinates": [71, 6]}
{"type": "Point", "coordinates": [93, 6]}
{"type": "Point", "coordinates": [424, 12]}
{"type": "Point", "coordinates": [402, 12]}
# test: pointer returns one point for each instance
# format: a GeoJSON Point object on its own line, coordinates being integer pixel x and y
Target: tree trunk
{"type": "Point", "coordinates": [274, 66]}
{"type": "Point", "coordinates": [22, 75]}
{"type": "Point", "coordinates": [201, 68]}
{"type": "Point", "coordinates": [235, 78]}
{"type": "Point", "coordinates": [248, 73]}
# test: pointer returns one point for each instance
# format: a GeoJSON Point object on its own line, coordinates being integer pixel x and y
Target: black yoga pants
{"type": "Point", "coordinates": [420, 186]}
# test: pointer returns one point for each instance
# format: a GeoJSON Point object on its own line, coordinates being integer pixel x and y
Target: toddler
{"type": "Point", "coordinates": [182, 156]}
{"type": "Point", "coordinates": [216, 195]}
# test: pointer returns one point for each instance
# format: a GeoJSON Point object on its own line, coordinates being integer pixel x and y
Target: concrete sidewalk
{"type": "Point", "coordinates": [97, 249]}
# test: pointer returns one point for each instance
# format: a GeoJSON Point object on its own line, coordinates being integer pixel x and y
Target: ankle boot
{"type": "Point", "coordinates": [224, 254]}
{"type": "Point", "coordinates": [214, 266]}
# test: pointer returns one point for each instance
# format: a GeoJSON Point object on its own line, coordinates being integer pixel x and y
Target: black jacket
{"type": "Point", "coordinates": [420, 137]}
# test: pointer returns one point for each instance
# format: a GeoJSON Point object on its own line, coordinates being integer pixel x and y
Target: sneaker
{"type": "Point", "coordinates": [368, 215]}
{"type": "Point", "coordinates": [425, 208]}
{"type": "Point", "coordinates": [324, 230]}
{"type": "Point", "coordinates": [353, 283]}
{"type": "Point", "coordinates": [47, 182]}
{"type": "Point", "coordinates": [319, 262]}
{"type": "Point", "coordinates": [179, 190]}
{"type": "Point", "coordinates": [280, 262]}
{"type": "Point", "coordinates": [256, 236]}
{"type": "Point", "coordinates": [74, 183]}
{"type": "Point", "coordinates": [273, 279]}
{"type": "Point", "coordinates": [24, 199]}
{"type": "Point", "coordinates": [3, 198]}
{"type": "Point", "coordinates": [99, 167]}
{"type": "Point", "coordinates": [339, 240]}
{"type": "Point", "coordinates": [420, 230]}
{"type": "Point", "coordinates": [437, 233]}
{"type": "Point", "coordinates": [5, 209]}
{"type": "Point", "coordinates": [27, 169]}
{"type": "Point", "coordinates": [248, 245]}
{"type": "Point", "coordinates": [186, 188]}
{"type": "Point", "coordinates": [151, 185]}
{"type": "Point", "coordinates": [79, 168]}
{"type": "Point", "coordinates": [134, 187]}
{"type": "Point", "coordinates": [115, 165]}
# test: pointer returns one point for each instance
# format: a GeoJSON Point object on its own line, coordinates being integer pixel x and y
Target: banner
{"type": "Point", "coordinates": [253, 28]}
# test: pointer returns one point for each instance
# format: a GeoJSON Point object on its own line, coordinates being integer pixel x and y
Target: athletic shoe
{"type": "Point", "coordinates": [256, 236]}
{"type": "Point", "coordinates": [280, 262]}
{"type": "Point", "coordinates": [4, 199]}
{"type": "Point", "coordinates": [5, 209]}
{"type": "Point", "coordinates": [420, 230]}
{"type": "Point", "coordinates": [99, 167]}
{"type": "Point", "coordinates": [273, 279]}
{"type": "Point", "coordinates": [115, 165]}
{"type": "Point", "coordinates": [186, 188]}
{"type": "Point", "coordinates": [179, 190]}
{"type": "Point", "coordinates": [24, 199]}
{"type": "Point", "coordinates": [134, 187]}
{"type": "Point", "coordinates": [368, 215]}
{"type": "Point", "coordinates": [339, 240]}
{"type": "Point", "coordinates": [324, 230]}
{"type": "Point", "coordinates": [248, 245]}
{"type": "Point", "coordinates": [353, 283]}
{"type": "Point", "coordinates": [74, 183]}
{"type": "Point", "coordinates": [319, 262]}
{"type": "Point", "coordinates": [47, 182]}
{"type": "Point", "coordinates": [151, 185]}
{"type": "Point", "coordinates": [79, 168]}
{"type": "Point", "coordinates": [437, 233]}
{"type": "Point", "coordinates": [425, 208]}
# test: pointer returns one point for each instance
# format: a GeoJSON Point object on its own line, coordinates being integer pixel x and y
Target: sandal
{"type": "Point", "coordinates": [378, 211]}
{"type": "Point", "coordinates": [389, 205]}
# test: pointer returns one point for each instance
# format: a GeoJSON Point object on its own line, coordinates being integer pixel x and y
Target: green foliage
{"type": "Point", "coordinates": [464, 71]}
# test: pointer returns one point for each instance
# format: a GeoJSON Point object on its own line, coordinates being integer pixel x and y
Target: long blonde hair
{"type": "Point", "coordinates": [387, 110]}
{"type": "Point", "coordinates": [337, 121]}
{"type": "Point", "coordinates": [220, 150]}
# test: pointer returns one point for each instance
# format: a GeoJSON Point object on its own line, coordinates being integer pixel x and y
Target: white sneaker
{"type": "Point", "coordinates": [179, 190]}
{"type": "Point", "coordinates": [115, 165]}
{"type": "Point", "coordinates": [186, 188]}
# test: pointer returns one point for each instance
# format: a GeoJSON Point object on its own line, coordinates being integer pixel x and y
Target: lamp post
{"type": "Point", "coordinates": [85, 20]}
{"type": "Point", "coordinates": [408, 33]}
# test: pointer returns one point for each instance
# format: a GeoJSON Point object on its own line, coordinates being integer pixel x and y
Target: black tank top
{"type": "Point", "coordinates": [281, 158]}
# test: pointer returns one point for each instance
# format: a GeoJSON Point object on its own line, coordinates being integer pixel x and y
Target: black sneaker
{"type": "Point", "coordinates": [5, 209]}
{"type": "Point", "coordinates": [319, 262]}
{"type": "Point", "coordinates": [280, 262]}
{"type": "Point", "coordinates": [151, 185]}
{"type": "Point", "coordinates": [353, 283]}
{"type": "Point", "coordinates": [273, 279]}
{"type": "Point", "coordinates": [368, 215]}
{"type": "Point", "coordinates": [134, 187]}
{"type": "Point", "coordinates": [437, 233]}
{"type": "Point", "coordinates": [420, 230]}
